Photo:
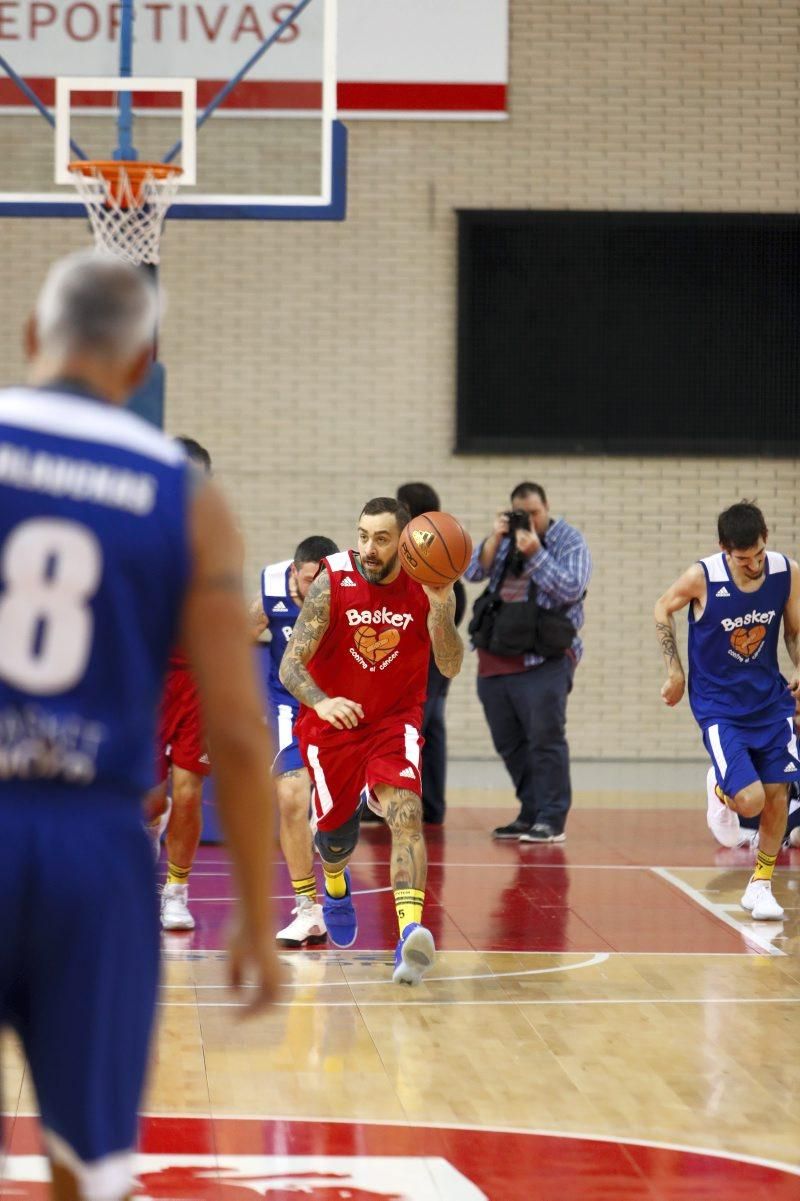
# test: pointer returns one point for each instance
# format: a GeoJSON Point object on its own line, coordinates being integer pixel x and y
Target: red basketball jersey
{"type": "Point", "coordinates": [376, 648]}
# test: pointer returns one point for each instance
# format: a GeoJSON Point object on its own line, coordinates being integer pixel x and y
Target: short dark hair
{"type": "Point", "coordinates": [526, 488]}
{"type": "Point", "coordinates": [314, 548]}
{"type": "Point", "coordinates": [418, 498]}
{"type": "Point", "coordinates": [387, 504]}
{"type": "Point", "coordinates": [197, 453]}
{"type": "Point", "coordinates": [741, 526]}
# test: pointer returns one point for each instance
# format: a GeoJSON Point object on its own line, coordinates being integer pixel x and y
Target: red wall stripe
{"type": "Point", "coordinates": [296, 94]}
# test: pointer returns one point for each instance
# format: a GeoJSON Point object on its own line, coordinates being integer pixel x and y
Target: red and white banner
{"type": "Point", "coordinates": [401, 58]}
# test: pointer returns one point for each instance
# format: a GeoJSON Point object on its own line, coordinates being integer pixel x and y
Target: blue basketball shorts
{"type": "Point", "coordinates": [79, 970]}
{"type": "Point", "coordinates": [743, 754]}
{"type": "Point", "coordinates": [281, 719]}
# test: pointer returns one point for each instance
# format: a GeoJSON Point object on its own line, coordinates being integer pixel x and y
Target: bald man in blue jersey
{"type": "Point", "coordinates": [738, 599]}
{"type": "Point", "coordinates": [110, 546]}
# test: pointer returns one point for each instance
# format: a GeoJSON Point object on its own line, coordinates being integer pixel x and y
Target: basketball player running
{"type": "Point", "coordinates": [358, 663]}
{"type": "Point", "coordinates": [284, 587]}
{"type": "Point", "coordinates": [94, 506]}
{"type": "Point", "coordinates": [183, 756]}
{"type": "Point", "coordinates": [737, 599]}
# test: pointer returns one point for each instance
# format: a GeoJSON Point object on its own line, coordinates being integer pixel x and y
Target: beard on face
{"type": "Point", "coordinates": [379, 572]}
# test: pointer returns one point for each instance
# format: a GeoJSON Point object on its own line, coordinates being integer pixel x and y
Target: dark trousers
{"type": "Point", "coordinates": [434, 752]}
{"type": "Point", "coordinates": [526, 713]}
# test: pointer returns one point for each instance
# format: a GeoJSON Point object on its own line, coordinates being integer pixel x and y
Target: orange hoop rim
{"type": "Point", "coordinates": [136, 171]}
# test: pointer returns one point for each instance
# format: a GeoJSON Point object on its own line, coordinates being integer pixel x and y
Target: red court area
{"type": "Point", "coordinates": [596, 892]}
{"type": "Point", "coordinates": [233, 1159]}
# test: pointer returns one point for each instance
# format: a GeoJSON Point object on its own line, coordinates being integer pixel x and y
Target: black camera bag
{"type": "Point", "coordinates": [519, 627]}
{"type": "Point", "coordinates": [481, 625]}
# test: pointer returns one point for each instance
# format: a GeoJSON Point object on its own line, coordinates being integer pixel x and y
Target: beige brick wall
{"type": "Point", "coordinates": [318, 361]}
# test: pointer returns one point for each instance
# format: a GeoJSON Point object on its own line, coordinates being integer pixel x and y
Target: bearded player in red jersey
{"type": "Point", "coordinates": [358, 663]}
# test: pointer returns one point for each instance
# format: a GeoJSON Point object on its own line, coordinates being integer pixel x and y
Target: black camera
{"type": "Point", "coordinates": [518, 519]}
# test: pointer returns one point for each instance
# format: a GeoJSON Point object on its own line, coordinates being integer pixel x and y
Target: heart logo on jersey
{"type": "Point", "coordinates": [375, 646]}
{"type": "Point", "coordinates": [747, 639]}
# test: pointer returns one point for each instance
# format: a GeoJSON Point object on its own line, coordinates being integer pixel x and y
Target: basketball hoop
{"type": "Point", "coordinates": [127, 203]}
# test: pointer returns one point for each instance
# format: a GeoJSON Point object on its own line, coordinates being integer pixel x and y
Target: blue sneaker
{"type": "Point", "coordinates": [340, 916]}
{"type": "Point", "coordinates": [413, 955]}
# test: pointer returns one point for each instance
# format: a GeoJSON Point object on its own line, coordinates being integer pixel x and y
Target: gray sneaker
{"type": "Point", "coordinates": [543, 832]}
{"type": "Point", "coordinates": [512, 830]}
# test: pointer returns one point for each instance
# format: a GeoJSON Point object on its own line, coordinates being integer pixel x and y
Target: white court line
{"type": "Point", "coordinates": [333, 956]}
{"type": "Point", "coordinates": [752, 936]}
{"type": "Point", "coordinates": [424, 1002]}
{"type": "Point", "coordinates": [597, 957]}
{"type": "Point", "coordinates": [624, 1140]}
{"type": "Point", "coordinates": [573, 867]}
{"type": "Point", "coordinates": [356, 892]}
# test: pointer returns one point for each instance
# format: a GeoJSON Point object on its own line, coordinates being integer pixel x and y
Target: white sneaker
{"type": "Point", "coordinates": [175, 913]}
{"type": "Point", "coordinates": [794, 837]}
{"type": "Point", "coordinates": [748, 838]}
{"type": "Point", "coordinates": [308, 927]}
{"type": "Point", "coordinates": [721, 821]}
{"type": "Point", "coordinates": [155, 832]}
{"type": "Point", "coordinates": [759, 902]}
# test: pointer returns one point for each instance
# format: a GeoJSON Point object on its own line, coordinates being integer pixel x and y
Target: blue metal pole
{"type": "Point", "coordinates": [125, 148]}
{"type": "Point", "coordinates": [34, 99]}
{"type": "Point", "coordinates": [239, 76]}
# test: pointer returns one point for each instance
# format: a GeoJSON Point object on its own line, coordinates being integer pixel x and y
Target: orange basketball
{"type": "Point", "coordinates": [435, 549]}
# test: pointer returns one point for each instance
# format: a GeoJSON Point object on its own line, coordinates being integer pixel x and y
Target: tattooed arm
{"type": "Point", "coordinates": [791, 629]}
{"type": "Point", "coordinates": [308, 632]}
{"type": "Point", "coordinates": [258, 618]}
{"type": "Point", "coordinates": [448, 649]}
{"type": "Point", "coordinates": [689, 587]}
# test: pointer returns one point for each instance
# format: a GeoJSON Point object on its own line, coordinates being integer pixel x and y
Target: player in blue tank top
{"type": "Point", "coordinates": [737, 600]}
{"type": "Point", "coordinates": [108, 545]}
{"type": "Point", "coordinates": [283, 589]}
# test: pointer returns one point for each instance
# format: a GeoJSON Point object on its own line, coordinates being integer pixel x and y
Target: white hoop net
{"type": "Point", "coordinates": [127, 203]}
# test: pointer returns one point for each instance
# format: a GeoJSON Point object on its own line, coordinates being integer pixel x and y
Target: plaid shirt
{"type": "Point", "coordinates": [560, 570]}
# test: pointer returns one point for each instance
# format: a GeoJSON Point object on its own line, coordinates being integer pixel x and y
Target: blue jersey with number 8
{"type": "Point", "coordinates": [94, 563]}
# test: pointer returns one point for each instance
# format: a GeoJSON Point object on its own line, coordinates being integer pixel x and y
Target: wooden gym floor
{"type": "Point", "coordinates": [603, 1021]}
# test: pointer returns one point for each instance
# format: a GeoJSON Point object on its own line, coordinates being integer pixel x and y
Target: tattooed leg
{"type": "Point", "coordinates": [294, 792]}
{"type": "Point", "coordinates": [403, 813]}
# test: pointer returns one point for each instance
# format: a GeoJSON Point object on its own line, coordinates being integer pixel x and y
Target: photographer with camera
{"type": "Point", "coordinates": [525, 630]}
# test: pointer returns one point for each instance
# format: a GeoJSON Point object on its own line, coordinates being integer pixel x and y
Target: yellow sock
{"type": "Point", "coordinates": [307, 887]}
{"type": "Point", "coordinates": [335, 883]}
{"type": "Point", "coordinates": [765, 865]}
{"type": "Point", "coordinates": [408, 902]}
{"type": "Point", "coordinates": [722, 798]}
{"type": "Point", "coordinates": [177, 875]}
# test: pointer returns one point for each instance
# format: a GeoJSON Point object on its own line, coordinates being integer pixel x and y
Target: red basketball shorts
{"type": "Point", "coordinates": [181, 737]}
{"type": "Point", "coordinates": [346, 762]}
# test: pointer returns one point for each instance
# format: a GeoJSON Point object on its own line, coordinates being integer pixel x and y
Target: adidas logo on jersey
{"type": "Point", "coordinates": [788, 767]}
{"type": "Point", "coordinates": [409, 773]}
{"type": "Point", "coordinates": [347, 582]}
{"type": "Point", "coordinates": [723, 591]}
{"type": "Point", "coordinates": [279, 608]}
{"type": "Point", "coordinates": [205, 759]}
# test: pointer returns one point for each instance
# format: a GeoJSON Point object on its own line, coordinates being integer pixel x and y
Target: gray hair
{"type": "Point", "coordinates": [97, 304]}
